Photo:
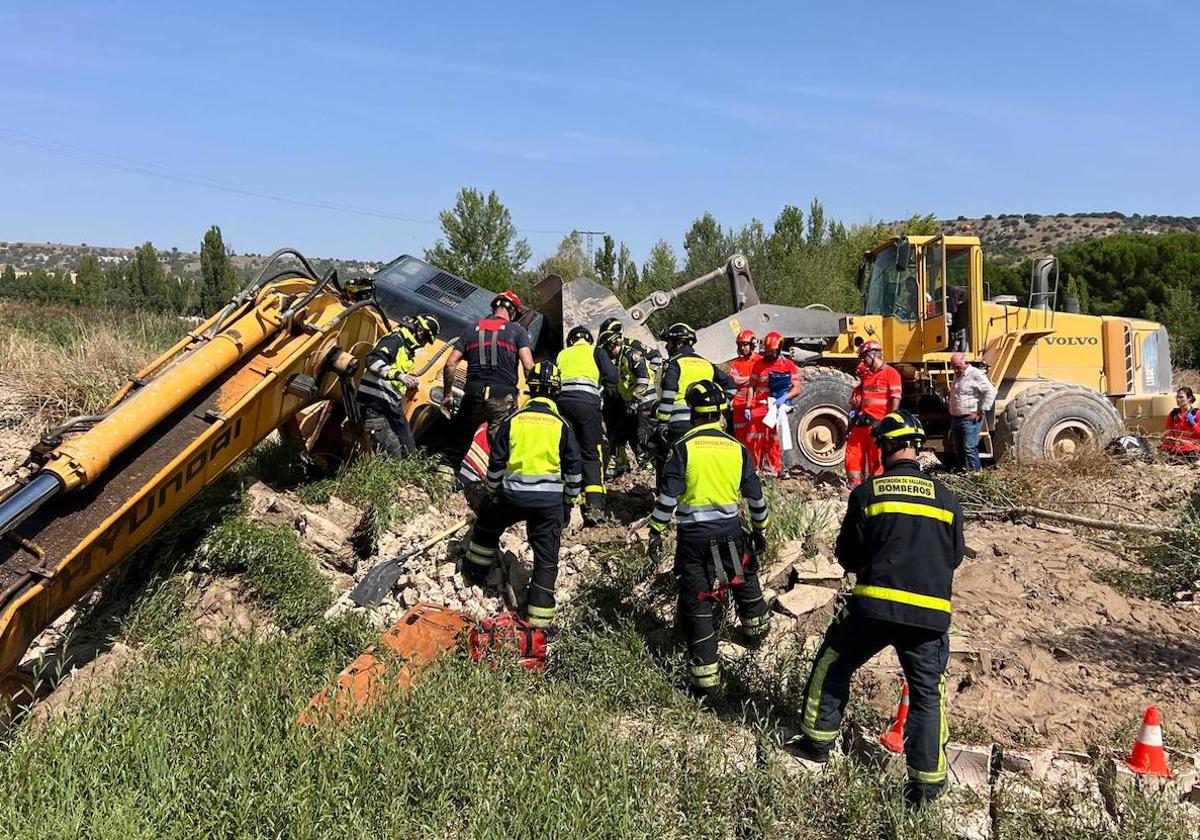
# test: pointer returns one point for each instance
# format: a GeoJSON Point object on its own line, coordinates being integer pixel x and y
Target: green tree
{"type": "Point", "coordinates": [660, 271]}
{"type": "Point", "coordinates": [218, 280]}
{"type": "Point", "coordinates": [606, 262]}
{"type": "Point", "coordinates": [570, 261]}
{"type": "Point", "coordinates": [90, 281]}
{"type": "Point", "coordinates": [816, 224]}
{"type": "Point", "coordinates": [480, 242]}
{"type": "Point", "coordinates": [627, 270]}
{"type": "Point", "coordinates": [146, 282]}
{"type": "Point", "coordinates": [918, 225]}
{"type": "Point", "coordinates": [1179, 313]}
{"type": "Point", "coordinates": [8, 279]}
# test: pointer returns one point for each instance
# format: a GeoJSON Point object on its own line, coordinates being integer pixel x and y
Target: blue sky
{"type": "Point", "coordinates": [632, 118]}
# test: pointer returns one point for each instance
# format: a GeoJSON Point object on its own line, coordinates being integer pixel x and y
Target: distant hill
{"type": "Point", "coordinates": [1012, 237]}
{"type": "Point", "coordinates": [26, 256]}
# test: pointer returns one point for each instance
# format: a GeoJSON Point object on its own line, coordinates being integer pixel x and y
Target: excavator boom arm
{"type": "Point", "coordinates": [105, 491]}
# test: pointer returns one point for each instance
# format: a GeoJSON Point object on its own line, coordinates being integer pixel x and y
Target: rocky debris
{"type": "Point", "coordinates": [802, 599]}
{"type": "Point", "coordinates": [222, 608]}
{"type": "Point", "coordinates": [331, 532]}
{"type": "Point", "coordinates": [75, 688]}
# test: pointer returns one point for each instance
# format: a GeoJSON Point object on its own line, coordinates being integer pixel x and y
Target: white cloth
{"type": "Point", "coordinates": [772, 416]}
{"type": "Point", "coordinates": [785, 430]}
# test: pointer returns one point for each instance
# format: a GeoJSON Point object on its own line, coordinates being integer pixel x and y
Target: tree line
{"type": "Point", "coordinates": [140, 282]}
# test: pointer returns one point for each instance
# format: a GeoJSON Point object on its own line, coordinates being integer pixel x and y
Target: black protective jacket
{"type": "Point", "coordinates": [903, 539]}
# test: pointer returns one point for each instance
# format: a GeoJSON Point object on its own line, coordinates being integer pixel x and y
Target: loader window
{"type": "Point", "coordinates": [891, 291]}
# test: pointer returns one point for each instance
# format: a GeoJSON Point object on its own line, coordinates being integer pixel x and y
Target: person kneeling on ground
{"type": "Point", "coordinates": [1182, 436]}
{"type": "Point", "coordinates": [535, 471]}
{"type": "Point", "coordinates": [903, 538]}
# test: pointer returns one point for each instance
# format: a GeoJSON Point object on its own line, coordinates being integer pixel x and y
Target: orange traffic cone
{"type": "Point", "coordinates": [1148, 757]}
{"type": "Point", "coordinates": [893, 739]}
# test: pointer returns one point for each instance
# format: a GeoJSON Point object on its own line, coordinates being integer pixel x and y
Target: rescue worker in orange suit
{"type": "Point", "coordinates": [902, 537]}
{"type": "Point", "coordinates": [386, 380]}
{"type": "Point", "coordinates": [740, 369]}
{"type": "Point", "coordinates": [684, 367]}
{"type": "Point", "coordinates": [534, 470]}
{"type": "Point", "coordinates": [775, 379]}
{"type": "Point", "coordinates": [583, 381]}
{"type": "Point", "coordinates": [876, 394]}
{"type": "Point", "coordinates": [1181, 439]}
{"type": "Point", "coordinates": [706, 475]}
{"type": "Point", "coordinates": [494, 347]}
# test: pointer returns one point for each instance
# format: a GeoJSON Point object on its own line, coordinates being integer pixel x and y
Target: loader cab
{"type": "Point", "coordinates": [927, 292]}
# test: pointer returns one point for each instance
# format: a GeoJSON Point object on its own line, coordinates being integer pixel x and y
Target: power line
{"type": "Point", "coordinates": [23, 139]}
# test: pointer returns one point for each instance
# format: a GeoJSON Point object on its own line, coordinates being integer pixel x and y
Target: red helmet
{"type": "Point", "coordinates": [868, 346]}
{"type": "Point", "coordinates": [772, 340]}
{"type": "Point", "coordinates": [746, 337]}
{"type": "Point", "coordinates": [510, 301]}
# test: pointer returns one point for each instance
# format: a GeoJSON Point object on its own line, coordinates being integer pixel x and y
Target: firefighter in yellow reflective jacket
{"type": "Point", "coordinates": [684, 367]}
{"type": "Point", "coordinates": [579, 403]}
{"type": "Point", "coordinates": [386, 379]}
{"type": "Point", "coordinates": [534, 473]}
{"type": "Point", "coordinates": [705, 476]}
{"type": "Point", "coordinates": [902, 538]}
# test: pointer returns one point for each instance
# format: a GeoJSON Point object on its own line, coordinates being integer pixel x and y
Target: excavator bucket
{"type": "Point", "coordinates": [421, 635]}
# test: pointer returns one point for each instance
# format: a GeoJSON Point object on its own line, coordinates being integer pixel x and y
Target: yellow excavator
{"type": "Point", "coordinates": [282, 354]}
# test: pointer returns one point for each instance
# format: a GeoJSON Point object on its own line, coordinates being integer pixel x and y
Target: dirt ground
{"type": "Point", "coordinates": [15, 436]}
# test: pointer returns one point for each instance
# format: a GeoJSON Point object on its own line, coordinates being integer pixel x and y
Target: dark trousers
{"type": "Point", "coordinates": [696, 562]}
{"type": "Point", "coordinates": [849, 642]}
{"type": "Point", "coordinates": [389, 430]}
{"type": "Point", "coordinates": [587, 422]}
{"type": "Point", "coordinates": [478, 404]}
{"type": "Point", "coordinates": [965, 434]}
{"type": "Point", "coordinates": [543, 526]}
{"type": "Point", "coordinates": [625, 428]}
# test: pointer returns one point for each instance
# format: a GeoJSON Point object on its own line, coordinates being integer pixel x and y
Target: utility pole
{"type": "Point", "coordinates": [589, 234]}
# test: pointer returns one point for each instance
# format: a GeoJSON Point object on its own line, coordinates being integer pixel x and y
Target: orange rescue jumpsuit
{"type": "Point", "coordinates": [870, 397]}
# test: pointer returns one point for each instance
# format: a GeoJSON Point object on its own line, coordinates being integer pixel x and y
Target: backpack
{"type": "Point", "coordinates": [510, 633]}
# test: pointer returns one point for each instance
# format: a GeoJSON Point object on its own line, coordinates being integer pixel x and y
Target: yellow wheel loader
{"type": "Point", "coordinates": [283, 354]}
{"type": "Point", "coordinates": [1065, 381]}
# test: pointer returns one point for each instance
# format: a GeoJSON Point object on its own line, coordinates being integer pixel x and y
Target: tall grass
{"type": "Point", "coordinates": [61, 361]}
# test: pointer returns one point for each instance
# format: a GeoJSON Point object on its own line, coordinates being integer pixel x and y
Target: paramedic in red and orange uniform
{"type": "Point", "coordinates": [740, 369]}
{"type": "Point", "coordinates": [876, 394]}
{"type": "Point", "coordinates": [1181, 439]}
{"type": "Point", "coordinates": [774, 379]}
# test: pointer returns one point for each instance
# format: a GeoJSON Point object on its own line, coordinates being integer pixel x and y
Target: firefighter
{"type": "Point", "coordinates": [903, 538]}
{"type": "Point", "coordinates": [740, 369]}
{"type": "Point", "coordinates": [494, 347]}
{"type": "Point", "coordinates": [386, 379]}
{"type": "Point", "coordinates": [774, 380]}
{"type": "Point", "coordinates": [684, 367]}
{"type": "Point", "coordinates": [579, 404]}
{"type": "Point", "coordinates": [705, 476]}
{"type": "Point", "coordinates": [534, 471]}
{"type": "Point", "coordinates": [876, 394]}
{"type": "Point", "coordinates": [629, 412]}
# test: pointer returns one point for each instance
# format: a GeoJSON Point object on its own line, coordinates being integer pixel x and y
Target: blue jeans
{"type": "Point", "coordinates": [965, 432]}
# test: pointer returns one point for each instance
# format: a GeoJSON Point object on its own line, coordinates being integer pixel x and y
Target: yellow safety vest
{"type": "Point", "coordinates": [580, 373]}
{"type": "Point", "coordinates": [714, 476]}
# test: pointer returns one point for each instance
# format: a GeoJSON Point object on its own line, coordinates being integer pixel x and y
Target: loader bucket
{"type": "Point", "coordinates": [567, 304]}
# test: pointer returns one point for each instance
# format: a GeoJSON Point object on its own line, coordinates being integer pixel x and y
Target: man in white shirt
{"type": "Point", "coordinates": [971, 396]}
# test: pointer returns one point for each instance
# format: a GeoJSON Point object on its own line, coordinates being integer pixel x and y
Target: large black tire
{"type": "Point", "coordinates": [819, 422]}
{"type": "Point", "coordinates": [1055, 421]}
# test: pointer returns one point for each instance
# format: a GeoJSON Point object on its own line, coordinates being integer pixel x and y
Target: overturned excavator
{"type": "Point", "coordinates": [282, 354]}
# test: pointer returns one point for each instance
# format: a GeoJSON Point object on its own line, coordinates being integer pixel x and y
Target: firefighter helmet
{"type": "Point", "coordinates": [510, 302]}
{"type": "Point", "coordinates": [899, 426]}
{"type": "Point", "coordinates": [429, 325]}
{"type": "Point", "coordinates": [680, 333]}
{"type": "Point", "coordinates": [610, 324]}
{"type": "Point", "coordinates": [544, 380]}
{"type": "Point", "coordinates": [773, 341]}
{"type": "Point", "coordinates": [746, 337]}
{"type": "Point", "coordinates": [579, 334]}
{"type": "Point", "coordinates": [705, 397]}
{"type": "Point", "coordinates": [610, 335]}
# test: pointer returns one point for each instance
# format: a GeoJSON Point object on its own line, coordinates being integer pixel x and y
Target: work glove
{"type": "Point", "coordinates": [746, 414]}
{"type": "Point", "coordinates": [654, 547]}
{"type": "Point", "coordinates": [758, 541]}
{"type": "Point", "coordinates": [781, 400]}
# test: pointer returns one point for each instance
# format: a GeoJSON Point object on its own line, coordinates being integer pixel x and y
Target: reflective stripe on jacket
{"type": "Point", "coordinates": [636, 383]}
{"type": "Point", "coordinates": [393, 355]}
{"type": "Point", "coordinates": [878, 388]}
{"type": "Point", "coordinates": [681, 371]}
{"type": "Point", "coordinates": [706, 475]}
{"type": "Point", "coordinates": [535, 458]}
{"type": "Point", "coordinates": [580, 373]}
{"type": "Point", "coordinates": [903, 538]}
